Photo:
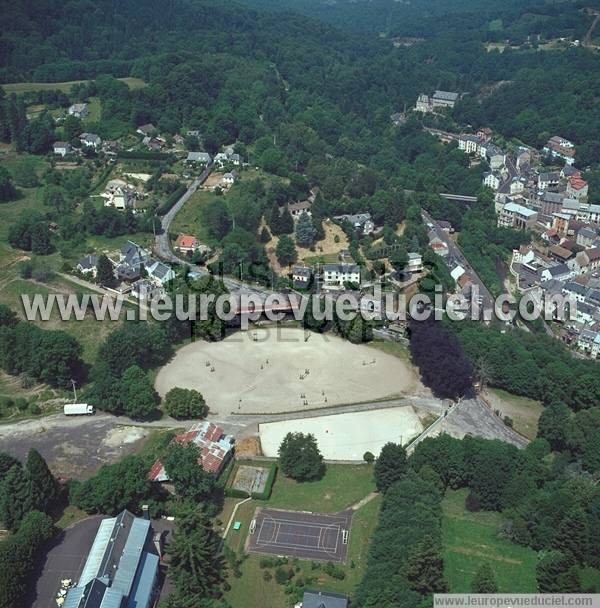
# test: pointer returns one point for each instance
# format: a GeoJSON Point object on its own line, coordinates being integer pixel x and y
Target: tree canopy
{"type": "Point", "coordinates": [299, 457]}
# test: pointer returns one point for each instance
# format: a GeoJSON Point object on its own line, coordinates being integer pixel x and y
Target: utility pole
{"type": "Point", "coordinates": [74, 391]}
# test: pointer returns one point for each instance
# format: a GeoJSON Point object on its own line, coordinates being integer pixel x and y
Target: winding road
{"type": "Point", "coordinates": [163, 249]}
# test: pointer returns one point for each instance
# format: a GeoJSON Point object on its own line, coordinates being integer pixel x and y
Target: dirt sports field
{"type": "Point", "coordinates": [264, 370]}
{"type": "Point", "coordinates": [347, 436]}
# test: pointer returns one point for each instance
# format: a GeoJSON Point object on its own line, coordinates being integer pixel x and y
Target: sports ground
{"type": "Point", "coordinates": [347, 436]}
{"type": "Point", "coordinates": [281, 369]}
{"type": "Point", "coordinates": [300, 534]}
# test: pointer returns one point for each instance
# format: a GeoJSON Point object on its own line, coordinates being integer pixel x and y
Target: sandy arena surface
{"type": "Point", "coordinates": [347, 436]}
{"type": "Point", "coordinates": [264, 376]}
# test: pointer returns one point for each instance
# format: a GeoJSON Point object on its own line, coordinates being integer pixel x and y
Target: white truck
{"type": "Point", "coordinates": [78, 409]}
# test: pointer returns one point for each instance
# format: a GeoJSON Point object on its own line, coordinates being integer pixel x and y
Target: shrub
{"type": "Point", "coordinates": [43, 274]}
{"type": "Point", "coordinates": [26, 269]}
{"type": "Point", "coordinates": [369, 457]}
{"type": "Point", "coordinates": [35, 409]}
{"type": "Point", "coordinates": [334, 571]}
{"type": "Point", "coordinates": [283, 575]}
{"type": "Point", "coordinates": [22, 404]}
{"type": "Point", "coordinates": [472, 502]}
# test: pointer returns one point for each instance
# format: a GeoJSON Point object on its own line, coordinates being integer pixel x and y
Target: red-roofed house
{"type": "Point", "coordinates": [577, 188]}
{"type": "Point", "coordinates": [187, 242]}
{"type": "Point", "coordinates": [216, 448]}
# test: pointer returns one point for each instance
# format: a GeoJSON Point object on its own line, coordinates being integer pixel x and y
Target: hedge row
{"type": "Point", "coordinates": [165, 207]}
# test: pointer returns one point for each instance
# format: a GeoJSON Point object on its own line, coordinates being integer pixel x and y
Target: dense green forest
{"type": "Point", "coordinates": [515, 19]}
{"type": "Point", "coordinates": [242, 72]}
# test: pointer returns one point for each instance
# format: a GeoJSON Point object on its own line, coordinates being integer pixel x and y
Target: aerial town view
{"type": "Point", "coordinates": [299, 303]}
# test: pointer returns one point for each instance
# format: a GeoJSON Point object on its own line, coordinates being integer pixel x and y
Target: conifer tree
{"type": "Point", "coordinates": [484, 581]}
{"type": "Point", "coordinates": [425, 568]}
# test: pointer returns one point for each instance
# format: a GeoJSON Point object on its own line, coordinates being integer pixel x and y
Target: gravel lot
{"type": "Point", "coordinates": [73, 446]}
{"type": "Point", "coordinates": [243, 376]}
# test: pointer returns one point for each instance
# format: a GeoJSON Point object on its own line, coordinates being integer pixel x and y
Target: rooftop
{"type": "Point", "coordinates": [323, 599]}
{"type": "Point", "coordinates": [121, 567]}
{"type": "Point", "coordinates": [445, 95]}
{"type": "Point", "coordinates": [519, 209]}
{"type": "Point", "coordinates": [215, 448]}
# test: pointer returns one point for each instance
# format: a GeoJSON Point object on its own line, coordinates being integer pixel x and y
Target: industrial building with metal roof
{"type": "Point", "coordinates": [121, 569]}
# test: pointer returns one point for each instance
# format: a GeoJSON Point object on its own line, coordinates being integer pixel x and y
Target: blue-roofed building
{"type": "Point", "coordinates": [121, 570]}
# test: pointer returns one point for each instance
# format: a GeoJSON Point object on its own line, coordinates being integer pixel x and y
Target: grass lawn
{"type": "Point", "coordinates": [188, 220]}
{"type": "Point", "coordinates": [342, 486]}
{"type": "Point", "coordinates": [327, 258]}
{"type": "Point", "coordinates": [590, 580]}
{"type": "Point", "coordinates": [89, 331]}
{"type": "Point", "coordinates": [95, 108]}
{"type": "Point", "coordinates": [396, 349]}
{"type": "Point", "coordinates": [25, 87]}
{"type": "Point", "coordinates": [524, 412]}
{"type": "Point", "coordinates": [70, 516]}
{"type": "Point", "coordinates": [471, 539]}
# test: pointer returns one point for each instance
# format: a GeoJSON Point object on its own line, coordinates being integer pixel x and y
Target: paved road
{"type": "Point", "coordinates": [457, 256]}
{"type": "Point", "coordinates": [163, 249]}
{"type": "Point", "coordinates": [474, 417]}
{"type": "Point", "coordinates": [162, 244]}
{"type": "Point", "coordinates": [78, 446]}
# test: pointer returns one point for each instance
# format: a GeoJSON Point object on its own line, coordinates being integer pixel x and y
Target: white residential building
{"type": "Point", "coordinates": [62, 148]}
{"type": "Point", "coordinates": [79, 110]}
{"type": "Point", "coordinates": [336, 275]}
{"type": "Point", "coordinates": [517, 217]}
{"type": "Point", "coordinates": [492, 180]}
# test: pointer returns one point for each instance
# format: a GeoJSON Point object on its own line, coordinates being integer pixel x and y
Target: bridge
{"type": "Point", "coordinates": [460, 198]}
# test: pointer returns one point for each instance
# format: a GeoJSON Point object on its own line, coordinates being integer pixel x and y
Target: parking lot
{"type": "Point", "coordinates": [65, 559]}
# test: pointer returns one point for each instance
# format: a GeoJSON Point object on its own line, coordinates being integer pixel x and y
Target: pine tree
{"type": "Point", "coordinates": [196, 566]}
{"type": "Point", "coordinates": [359, 331]}
{"type": "Point", "coordinates": [305, 230]}
{"type": "Point", "coordinates": [265, 235]}
{"type": "Point", "coordinates": [286, 222]}
{"type": "Point", "coordinates": [44, 488]}
{"type": "Point", "coordinates": [552, 571]}
{"type": "Point", "coordinates": [286, 251]}
{"type": "Point", "coordinates": [390, 466]}
{"type": "Point", "coordinates": [40, 239]}
{"type": "Point", "coordinates": [7, 462]}
{"type": "Point", "coordinates": [572, 534]}
{"type": "Point", "coordinates": [320, 208]}
{"type": "Point", "coordinates": [15, 499]}
{"type": "Point", "coordinates": [425, 568]}
{"type": "Point", "coordinates": [274, 219]}
{"type": "Point", "coordinates": [105, 274]}
{"type": "Point", "coordinates": [484, 581]}
{"type": "Point", "coordinates": [569, 582]}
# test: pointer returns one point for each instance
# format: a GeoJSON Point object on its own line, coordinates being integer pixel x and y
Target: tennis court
{"type": "Point", "coordinates": [304, 535]}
